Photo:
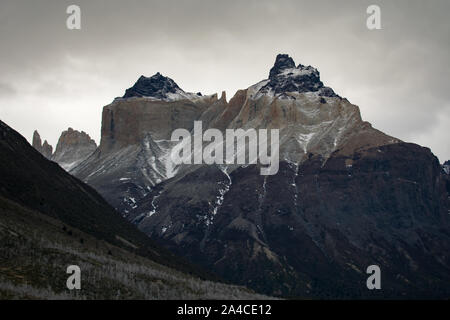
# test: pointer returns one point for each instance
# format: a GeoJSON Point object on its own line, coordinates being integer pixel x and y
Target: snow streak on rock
{"type": "Point", "coordinates": [223, 189]}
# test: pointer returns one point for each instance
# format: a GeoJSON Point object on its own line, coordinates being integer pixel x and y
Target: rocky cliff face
{"type": "Point", "coordinates": [346, 196]}
{"type": "Point", "coordinates": [133, 155]}
{"type": "Point", "coordinates": [45, 149]}
{"type": "Point", "coordinates": [73, 147]}
{"type": "Point", "coordinates": [314, 228]}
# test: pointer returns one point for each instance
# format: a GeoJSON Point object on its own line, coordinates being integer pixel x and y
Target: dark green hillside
{"type": "Point", "coordinates": [35, 251]}
{"type": "Point", "coordinates": [34, 182]}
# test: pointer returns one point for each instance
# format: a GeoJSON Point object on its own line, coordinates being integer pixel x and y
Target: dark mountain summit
{"type": "Point", "coordinates": [157, 86]}
{"type": "Point", "coordinates": [286, 77]}
{"type": "Point", "coordinates": [282, 62]}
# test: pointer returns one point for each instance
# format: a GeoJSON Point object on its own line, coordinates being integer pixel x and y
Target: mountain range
{"type": "Point", "coordinates": [346, 195]}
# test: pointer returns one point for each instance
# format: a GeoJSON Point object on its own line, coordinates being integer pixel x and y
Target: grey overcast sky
{"type": "Point", "coordinates": [52, 78]}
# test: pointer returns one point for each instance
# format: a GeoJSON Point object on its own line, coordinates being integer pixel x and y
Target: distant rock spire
{"type": "Point", "coordinates": [37, 143]}
{"type": "Point", "coordinates": [45, 149]}
{"type": "Point", "coordinates": [224, 96]}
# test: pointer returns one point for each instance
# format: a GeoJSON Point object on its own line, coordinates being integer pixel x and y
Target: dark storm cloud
{"type": "Point", "coordinates": [398, 75]}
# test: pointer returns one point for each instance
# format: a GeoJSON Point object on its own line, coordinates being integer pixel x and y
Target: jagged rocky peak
{"type": "Point", "coordinates": [285, 77]}
{"type": "Point", "coordinates": [282, 62]}
{"type": "Point", "coordinates": [73, 147]}
{"type": "Point", "coordinates": [45, 149]}
{"type": "Point", "coordinates": [37, 142]}
{"type": "Point", "coordinates": [158, 87]}
{"type": "Point", "coordinates": [74, 137]}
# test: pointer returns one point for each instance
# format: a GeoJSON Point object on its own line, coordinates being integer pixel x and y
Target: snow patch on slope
{"type": "Point", "coordinates": [224, 187]}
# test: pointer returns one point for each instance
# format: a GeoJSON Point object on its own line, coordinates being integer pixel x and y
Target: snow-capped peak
{"type": "Point", "coordinates": [285, 77]}
{"type": "Point", "coordinates": [158, 87]}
